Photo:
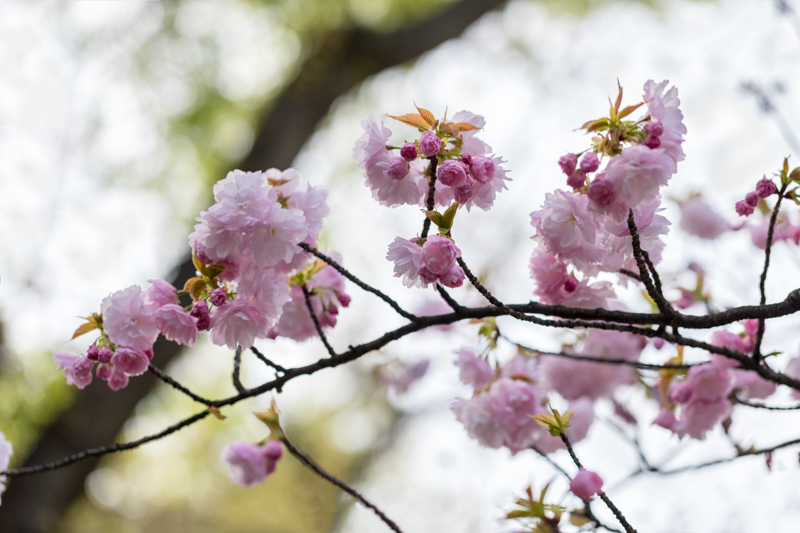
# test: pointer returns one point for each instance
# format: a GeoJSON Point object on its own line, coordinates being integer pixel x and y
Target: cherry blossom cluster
{"type": "Point", "coordinates": [448, 160]}
{"type": "Point", "coordinates": [587, 228]}
{"type": "Point", "coordinates": [250, 283]}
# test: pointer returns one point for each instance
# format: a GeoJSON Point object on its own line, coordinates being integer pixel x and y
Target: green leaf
{"type": "Point", "coordinates": [435, 217]}
{"type": "Point", "coordinates": [448, 217]}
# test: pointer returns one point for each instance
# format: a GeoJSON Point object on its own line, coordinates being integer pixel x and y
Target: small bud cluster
{"type": "Point", "coordinates": [764, 189]}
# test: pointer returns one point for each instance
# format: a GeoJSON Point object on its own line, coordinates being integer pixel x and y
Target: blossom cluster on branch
{"type": "Point", "coordinates": [260, 275]}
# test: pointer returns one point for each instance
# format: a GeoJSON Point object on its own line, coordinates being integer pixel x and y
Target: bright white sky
{"type": "Point", "coordinates": [78, 136]}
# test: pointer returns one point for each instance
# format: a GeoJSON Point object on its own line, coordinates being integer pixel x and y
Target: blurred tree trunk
{"type": "Point", "coordinates": [340, 61]}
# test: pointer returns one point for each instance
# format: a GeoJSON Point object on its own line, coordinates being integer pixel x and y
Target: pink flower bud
{"type": "Point", "coordinates": [398, 168]}
{"type": "Point", "coordinates": [481, 168]}
{"type": "Point", "coordinates": [586, 484]}
{"type": "Point", "coordinates": [743, 209]}
{"type": "Point", "coordinates": [105, 355]}
{"type": "Point", "coordinates": [652, 142]}
{"type": "Point", "coordinates": [93, 353]}
{"type": "Point", "coordinates": [751, 326]}
{"type": "Point", "coordinates": [200, 312]}
{"type": "Point", "coordinates": [680, 392]}
{"type": "Point", "coordinates": [273, 450]}
{"type": "Point", "coordinates": [452, 173]}
{"type": "Point", "coordinates": [653, 129]}
{"type": "Point", "coordinates": [453, 278]}
{"type": "Point", "coordinates": [665, 419]}
{"type": "Point", "coordinates": [577, 179]}
{"type": "Point", "coordinates": [601, 192]}
{"type": "Point", "coordinates": [104, 371]}
{"type": "Point", "coordinates": [343, 298]}
{"type": "Point", "coordinates": [219, 297]}
{"type": "Point", "coordinates": [131, 361]}
{"type": "Point", "coordinates": [570, 284]}
{"type": "Point", "coordinates": [117, 380]}
{"type": "Point", "coordinates": [589, 162]}
{"type": "Point", "coordinates": [409, 152]}
{"type": "Point", "coordinates": [430, 144]}
{"type": "Point", "coordinates": [568, 163]}
{"type": "Point", "coordinates": [751, 199]}
{"type": "Point", "coordinates": [765, 188]}
{"type": "Point", "coordinates": [657, 343]}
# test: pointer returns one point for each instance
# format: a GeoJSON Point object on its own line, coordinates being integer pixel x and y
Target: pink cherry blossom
{"type": "Point", "coordinates": [698, 219]}
{"type": "Point", "coordinates": [452, 173]}
{"type": "Point", "coordinates": [201, 313]}
{"type": "Point", "coordinates": [473, 370]}
{"type": "Point", "coordinates": [470, 143]}
{"type": "Point", "coordinates": [130, 360]}
{"type": "Point", "coordinates": [638, 172]}
{"type": "Point", "coordinates": [401, 377]}
{"type": "Point", "coordinates": [77, 369]}
{"type": "Point", "coordinates": [765, 188]}
{"type": "Point", "coordinates": [238, 324]}
{"type": "Point", "coordinates": [406, 255]}
{"type": "Point", "coordinates": [568, 162]}
{"type": "Point", "coordinates": [589, 162]}
{"type": "Point", "coordinates": [550, 274]}
{"type": "Point", "coordinates": [126, 320]}
{"type": "Point", "coordinates": [429, 144]}
{"type": "Point", "coordinates": [247, 463]}
{"type": "Point", "coordinates": [574, 379]}
{"type": "Point", "coordinates": [118, 380]}
{"type": "Point", "coordinates": [586, 484]}
{"type": "Point", "coordinates": [439, 254]}
{"type": "Point", "coordinates": [160, 293]}
{"type": "Point", "coordinates": [176, 324]}
{"type": "Point", "coordinates": [398, 168]}
{"type": "Point", "coordinates": [566, 229]}
{"type": "Point", "coordinates": [662, 107]}
{"type": "Point", "coordinates": [482, 168]}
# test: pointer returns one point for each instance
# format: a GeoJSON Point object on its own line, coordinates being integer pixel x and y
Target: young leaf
{"type": "Point", "coordinates": [89, 325]}
{"type": "Point", "coordinates": [413, 119]}
{"type": "Point", "coordinates": [630, 109]}
{"type": "Point", "coordinates": [426, 115]}
{"type": "Point", "coordinates": [465, 126]}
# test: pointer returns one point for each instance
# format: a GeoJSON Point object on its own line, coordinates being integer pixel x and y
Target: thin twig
{"type": "Point", "coordinates": [317, 325]}
{"type": "Point", "coordinates": [630, 274]}
{"type": "Point", "coordinates": [654, 292]}
{"type": "Point", "coordinates": [103, 450]}
{"type": "Point", "coordinates": [344, 272]}
{"type": "Point", "coordinates": [768, 407]}
{"type": "Point", "coordinates": [454, 305]}
{"type": "Point", "coordinates": [431, 199]}
{"type": "Point", "coordinates": [589, 513]}
{"type": "Point", "coordinates": [306, 460]}
{"type": "Point", "coordinates": [237, 363]}
{"type": "Point", "coordinates": [267, 361]}
{"type": "Point", "coordinates": [617, 513]}
{"type": "Point", "coordinates": [763, 281]}
{"type": "Point", "coordinates": [174, 384]}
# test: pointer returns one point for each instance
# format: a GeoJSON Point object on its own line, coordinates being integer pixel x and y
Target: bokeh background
{"type": "Point", "coordinates": [116, 117]}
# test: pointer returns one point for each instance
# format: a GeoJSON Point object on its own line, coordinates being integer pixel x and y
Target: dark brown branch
{"type": "Point", "coordinates": [768, 407]}
{"type": "Point", "coordinates": [454, 305]}
{"type": "Point", "coordinates": [317, 325]}
{"type": "Point", "coordinates": [174, 384]}
{"type": "Point", "coordinates": [267, 361]}
{"type": "Point", "coordinates": [431, 198]}
{"type": "Point", "coordinates": [237, 366]}
{"type": "Point", "coordinates": [763, 281]}
{"type": "Point", "coordinates": [654, 290]}
{"type": "Point", "coordinates": [306, 460]}
{"type": "Point", "coordinates": [344, 272]}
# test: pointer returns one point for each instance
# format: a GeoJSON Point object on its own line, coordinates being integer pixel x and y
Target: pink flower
{"type": "Point", "coordinates": [218, 297]}
{"type": "Point", "coordinates": [577, 179]}
{"type": "Point", "coordinates": [586, 484]}
{"type": "Point", "coordinates": [127, 321]}
{"type": "Point", "coordinates": [565, 228]}
{"type": "Point", "coordinates": [249, 464]}
{"type": "Point", "coordinates": [406, 255]}
{"type": "Point", "coordinates": [398, 168]}
{"type": "Point", "coordinates": [452, 173]}
{"type": "Point", "coordinates": [176, 324]}
{"type": "Point", "coordinates": [238, 324]}
{"type": "Point", "coordinates": [665, 419]}
{"type": "Point", "coordinates": [751, 199]}
{"type": "Point", "coordinates": [481, 168]}
{"type": "Point", "coordinates": [439, 254]}
{"type": "Point", "coordinates": [6, 451]}
{"type": "Point", "coordinates": [118, 380]}
{"type": "Point", "coordinates": [77, 369]}
{"type": "Point", "coordinates": [708, 383]}
{"type": "Point", "coordinates": [429, 144]}
{"type": "Point", "coordinates": [201, 313]}
{"type": "Point", "coordinates": [131, 361]}
{"type": "Point", "coordinates": [550, 274]}
{"type": "Point", "coordinates": [662, 108]}
{"type": "Point", "coordinates": [697, 418]}
{"type": "Point", "coordinates": [473, 370]}
{"type": "Point", "coordinates": [574, 379]}
{"type": "Point", "coordinates": [160, 293]}
{"type": "Point", "coordinates": [500, 416]}
{"type": "Point", "coordinates": [638, 172]}
{"type": "Point", "coordinates": [453, 278]}
{"type": "Point", "coordinates": [698, 219]}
